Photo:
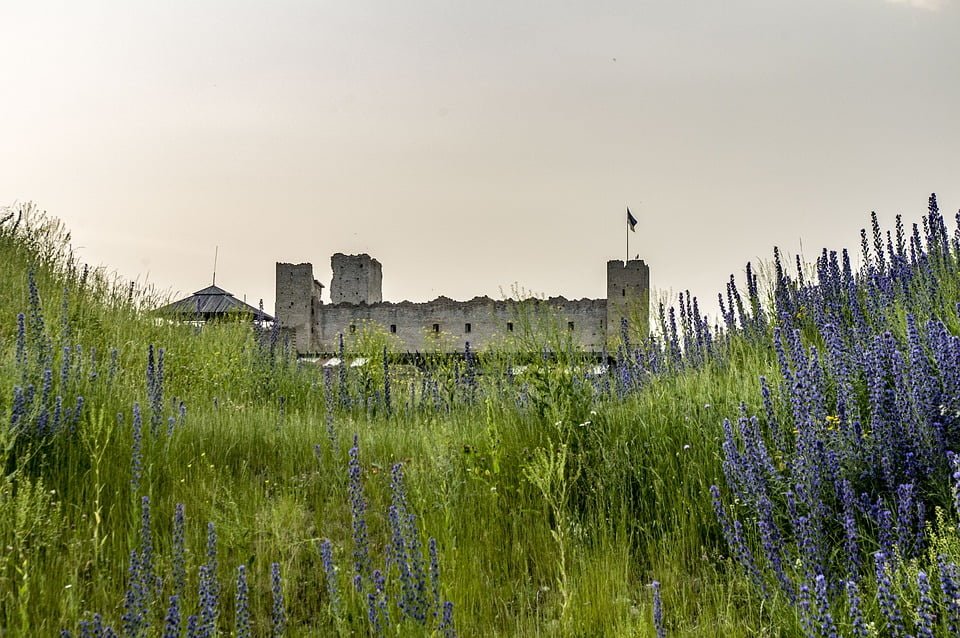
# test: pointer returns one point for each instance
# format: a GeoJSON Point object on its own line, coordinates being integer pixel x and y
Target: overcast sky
{"type": "Point", "coordinates": [473, 145]}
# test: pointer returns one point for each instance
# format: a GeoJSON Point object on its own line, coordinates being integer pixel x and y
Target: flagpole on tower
{"type": "Point", "coordinates": [631, 228]}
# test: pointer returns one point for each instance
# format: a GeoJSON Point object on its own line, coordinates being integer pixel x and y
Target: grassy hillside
{"type": "Point", "coordinates": [786, 472]}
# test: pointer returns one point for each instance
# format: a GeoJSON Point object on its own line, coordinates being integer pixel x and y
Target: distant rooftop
{"type": "Point", "coordinates": [212, 302]}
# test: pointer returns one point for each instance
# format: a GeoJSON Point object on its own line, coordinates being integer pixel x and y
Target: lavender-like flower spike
{"type": "Point", "coordinates": [925, 612]}
{"type": "Point", "coordinates": [243, 604]}
{"type": "Point", "coordinates": [658, 611]}
{"type": "Point", "coordinates": [380, 587]}
{"type": "Point", "coordinates": [146, 550]}
{"type": "Point", "coordinates": [434, 575]}
{"type": "Point", "coordinates": [955, 466]}
{"type": "Point", "coordinates": [950, 586]}
{"type": "Point", "coordinates": [209, 587]}
{"type": "Point", "coordinates": [98, 628]}
{"type": "Point", "coordinates": [376, 627]}
{"type": "Point", "coordinates": [171, 623]}
{"type": "Point", "coordinates": [886, 597]}
{"type": "Point", "coordinates": [806, 612]}
{"type": "Point", "coordinates": [18, 411]}
{"type": "Point", "coordinates": [133, 619]}
{"type": "Point", "coordinates": [386, 382]}
{"type": "Point", "coordinates": [179, 551]}
{"type": "Point", "coordinates": [827, 627]}
{"type": "Point", "coordinates": [358, 509]}
{"type": "Point", "coordinates": [330, 570]}
{"type": "Point", "coordinates": [279, 614]}
{"type": "Point", "coordinates": [193, 628]}
{"type": "Point", "coordinates": [136, 460]}
{"type": "Point", "coordinates": [65, 368]}
{"type": "Point", "coordinates": [21, 357]}
{"type": "Point", "coordinates": [858, 626]}
{"type": "Point", "coordinates": [446, 628]}
{"type": "Point", "coordinates": [206, 621]}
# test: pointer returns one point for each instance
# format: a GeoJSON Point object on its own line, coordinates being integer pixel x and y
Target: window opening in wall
{"type": "Point", "coordinates": [436, 327]}
{"type": "Point", "coordinates": [509, 326]}
{"type": "Point", "coordinates": [601, 324]}
{"type": "Point", "coordinates": [467, 327]}
{"type": "Point", "coordinates": [569, 325]}
{"type": "Point", "coordinates": [353, 328]}
{"type": "Point", "coordinates": [623, 292]}
{"type": "Point", "coordinates": [393, 328]}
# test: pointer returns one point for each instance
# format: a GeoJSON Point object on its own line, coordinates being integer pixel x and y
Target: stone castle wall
{"type": "Point", "coordinates": [444, 324]}
{"type": "Point", "coordinates": [447, 325]}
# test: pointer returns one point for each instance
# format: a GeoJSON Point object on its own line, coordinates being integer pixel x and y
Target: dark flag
{"type": "Point", "coordinates": [631, 220]}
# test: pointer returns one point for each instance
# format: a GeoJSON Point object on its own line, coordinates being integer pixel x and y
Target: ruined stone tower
{"type": "Point", "coordinates": [357, 279]}
{"type": "Point", "coordinates": [298, 303]}
{"type": "Point", "coordinates": [628, 297]}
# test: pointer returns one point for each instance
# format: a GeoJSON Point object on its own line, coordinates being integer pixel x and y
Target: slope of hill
{"type": "Point", "coordinates": [786, 472]}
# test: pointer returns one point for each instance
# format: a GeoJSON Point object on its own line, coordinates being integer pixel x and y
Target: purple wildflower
{"type": "Point", "coordinates": [887, 598]}
{"type": "Point", "coordinates": [279, 614]}
{"type": "Point", "coordinates": [658, 611]}
{"type": "Point", "coordinates": [386, 382]}
{"type": "Point", "coordinates": [434, 575]}
{"type": "Point", "coordinates": [209, 586]}
{"type": "Point", "coordinates": [21, 356]}
{"type": "Point", "coordinates": [925, 613]}
{"type": "Point", "coordinates": [193, 627]}
{"type": "Point", "coordinates": [136, 460]}
{"type": "Point", "coordinates": [134, 602]}
{"type": "Point", "coordinates": [854, 603]}
{"type": "Point", "coordinates": [950, 586]}
{"type": "Point", "coordinates": [171, 623]}
{"type": "Point", "coordinates": [358, 509]}
{"type": "Point", "coordinates": [827, 627]}
{"type": "Point", "coordinates": [330, 570]}
{"type": "Point", "coordinates": [446, 628]}
{"type": "Point", "coordinates": [242, 604]}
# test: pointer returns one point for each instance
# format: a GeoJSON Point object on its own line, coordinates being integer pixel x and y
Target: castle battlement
{"type": "Point", "coordinates": [443, 323]}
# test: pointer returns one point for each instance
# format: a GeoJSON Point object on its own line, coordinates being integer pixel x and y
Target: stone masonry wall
{"type": "Point", "coordinates": [298, 302]}
{"type": "Point", "coordinates": [447, 325]}
{"type": "Point", "coordinates": [444, 324]}
{"type": "Point", "coordinates": [356, 279]}
{"type": "Point", "coordinates": [628, 296]}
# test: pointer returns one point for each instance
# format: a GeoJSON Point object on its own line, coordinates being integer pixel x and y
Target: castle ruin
{"type": "Point", "coordinates": [444, 324]}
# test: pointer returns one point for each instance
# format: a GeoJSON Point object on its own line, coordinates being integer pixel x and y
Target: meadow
{"type": "Point", "coordinates": [785, 470]}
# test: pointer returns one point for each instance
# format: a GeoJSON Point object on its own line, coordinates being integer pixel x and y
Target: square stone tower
{"type": "Point", "coordinates": [628, 297]}
{"type": "Point", "coordinates": [357, 279]}
{"type": "Point", "coordinates": [298, 303]}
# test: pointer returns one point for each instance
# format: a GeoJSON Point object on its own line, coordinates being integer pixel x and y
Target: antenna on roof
{"type": "Point", "coordinates": [216, 250]}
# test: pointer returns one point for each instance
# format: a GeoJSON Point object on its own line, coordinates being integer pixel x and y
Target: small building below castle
{"type": "Point", "coordinates": [443, 324]}
{"type": "Point", "coordinates": [209, 304]}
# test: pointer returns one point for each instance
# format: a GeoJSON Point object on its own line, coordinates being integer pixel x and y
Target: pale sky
{"type": "Point", "coordinates": [469, 146]}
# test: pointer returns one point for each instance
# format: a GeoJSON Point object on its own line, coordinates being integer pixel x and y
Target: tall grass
{"type": "Point", "coordinates": [163, 479]}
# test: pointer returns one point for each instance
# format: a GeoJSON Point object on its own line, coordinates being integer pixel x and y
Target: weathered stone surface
{"type": "Point", "coordinates": [444, 324]}
{"type": "Point", "coordinates": [356, 279]}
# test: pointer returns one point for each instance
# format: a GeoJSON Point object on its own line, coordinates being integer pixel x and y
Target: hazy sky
{"type": "Point", "coordinates": [473, 145]}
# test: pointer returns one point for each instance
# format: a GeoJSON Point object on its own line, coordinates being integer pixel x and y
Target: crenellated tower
{"type": "Point", "coordinates": [298, 303]}
{"type": "Point", "coordinates": [628, 297]}
{"type": "Point", "coordinates": [357, 279]}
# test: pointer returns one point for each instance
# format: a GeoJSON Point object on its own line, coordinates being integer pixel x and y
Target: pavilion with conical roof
{"type": "Point", "coordinates": [209, 304]}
